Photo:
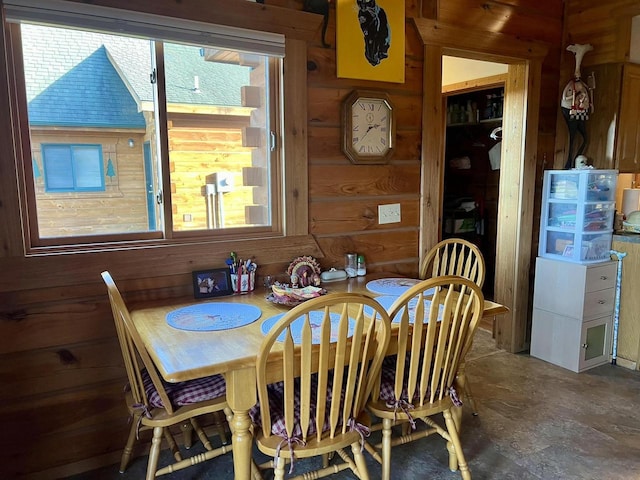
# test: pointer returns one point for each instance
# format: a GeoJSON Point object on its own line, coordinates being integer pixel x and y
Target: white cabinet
{"type": "Point", "coordinates": [576, 222]}
{"type": "Point", "coordinates": [573, 313]}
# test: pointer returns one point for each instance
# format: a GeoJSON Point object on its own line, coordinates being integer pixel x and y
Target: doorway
{"type": "Point", "coordinates": [473, 92]}
{"type": "Point", "coordinates": [517, 176]}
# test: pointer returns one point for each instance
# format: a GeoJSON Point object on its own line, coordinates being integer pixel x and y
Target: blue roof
{"type": "Point", "coordinates": [70, 72]}
{"type": "Point", "coordinates": [91, 94]}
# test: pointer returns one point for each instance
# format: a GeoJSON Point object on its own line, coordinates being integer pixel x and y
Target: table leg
{"type": "Point", "coordinates": [241, 396]}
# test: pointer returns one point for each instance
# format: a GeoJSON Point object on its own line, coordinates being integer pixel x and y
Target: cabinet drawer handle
{"type": "Point", "coordinates": [602, 302]}
{"type": "Point", "coordinates": [603, 277]}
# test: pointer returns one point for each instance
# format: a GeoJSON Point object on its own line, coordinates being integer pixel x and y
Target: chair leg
{"type": "Point", "coordinates": [361, 463]}
{"type": "Point", "coordinates": [456, 414]}
{"type": "Point", "coordinates": [255, 471]}
{"type": "Point", "coordinates": [173, 446]}
{"type": "Point", "coordinates": [386, 449]}
{"type": "Point", "coordinates": [469, 397]}
{"type": "Point", "coordinates": [201, 434]}
{"type": "Point", "coordinates": [128, 448]}
{"type": "Point", "coordinates": [465, 389]}
{"type": "Point", "coordinates": [278, 471]}
{"type": "Point", "coordinates": [219, 424]}
{"type": "Point", "coordinates": [452, 429]}
{"type": "Point", "coordinates": [187, 438]}
{"type": "Point", "coordinates": [154, 453]}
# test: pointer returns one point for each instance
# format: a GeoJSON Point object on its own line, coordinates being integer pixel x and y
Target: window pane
{"type": "Point", "coordinates": [90, 107]}
{"type": "Point", "coordinates": [87, 164]}
{"type": "Point", "coordinates": [58, 169]}
{"type": "Point", "coordinates": [218, 114]}
{"type": "Point", "coordinates": [97, 149]}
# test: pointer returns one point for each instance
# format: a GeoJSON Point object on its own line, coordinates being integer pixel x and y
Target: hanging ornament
{"type": "Point", "coordinates": [576, 104]}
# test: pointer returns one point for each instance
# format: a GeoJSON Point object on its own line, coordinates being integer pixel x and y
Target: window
{"type": "Point", "coordinates": [72, 168]}
{"type": "Point", "coordinates": [135, 138]}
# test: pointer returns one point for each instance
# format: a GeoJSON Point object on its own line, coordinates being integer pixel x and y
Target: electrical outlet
{"type": "Point", "coordinates": [389, 213]}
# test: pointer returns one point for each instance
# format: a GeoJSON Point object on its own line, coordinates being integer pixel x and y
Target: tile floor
{"type": "Point", "coordinates": [536, 421]}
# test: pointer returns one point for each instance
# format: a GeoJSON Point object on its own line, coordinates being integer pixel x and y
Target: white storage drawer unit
{"type": "Point", "coordinates": [573, 313]}
{"type": "Point", "coordinates": [576, 221]}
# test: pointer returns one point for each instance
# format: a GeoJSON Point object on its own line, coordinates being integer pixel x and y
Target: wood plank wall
{"type": "Point", "coordinates": [60, 363]}
{"type": "Point", "coordinates": [344, 198]}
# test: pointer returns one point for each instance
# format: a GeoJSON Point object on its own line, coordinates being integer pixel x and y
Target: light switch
{"type": "Point", "coordinates": [389, 213]}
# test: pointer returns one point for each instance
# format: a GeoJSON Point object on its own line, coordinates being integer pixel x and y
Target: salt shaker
{"type": "Point", "coordinates": [350, 265]}
{"type": "Point", "coordinates": [361, 267]}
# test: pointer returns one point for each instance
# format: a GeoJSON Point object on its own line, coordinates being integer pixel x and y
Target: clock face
{"type": "Point", "coordinates": [370, 124]}
{"type": "Point", "coordinates": [368, 127]}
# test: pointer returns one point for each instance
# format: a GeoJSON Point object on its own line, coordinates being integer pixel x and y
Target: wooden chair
{"type": "Point", "coordinates": [329, 351]}
{"type": "Point", "coordinates": [435, 329]}
{"type": "Point", "coordinates": [155, 404]}
{"type": "Point", "coordinates": [456, 256]}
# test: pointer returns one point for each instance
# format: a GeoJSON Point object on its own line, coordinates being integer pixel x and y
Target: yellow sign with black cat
{"type": "Point", "coordinates": [370, 40]}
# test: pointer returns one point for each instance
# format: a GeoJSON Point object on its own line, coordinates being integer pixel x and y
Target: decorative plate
{"type": "Point", "coordinates": [388, 300]}
{"type": "Point", "coordinates": [285, 295]}
{"type": "Point", "coordinates": [316, 318]}
{"type": "Point", "coordinates": [283, 301]}
{"type": "Point", "coordinates": [213, 316]}
{"type": "Point", "coordinates": [304, 271]}
{"type": "Point", "coordinates": [391, 286]}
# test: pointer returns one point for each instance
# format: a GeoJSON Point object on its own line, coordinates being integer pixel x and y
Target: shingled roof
{"type": "Point", "coordinates": [79, 78]}
{"type": "Point", "coordinates": [91, 94]}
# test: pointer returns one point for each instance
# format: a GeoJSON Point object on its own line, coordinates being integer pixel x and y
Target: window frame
{"type": "Point", "coordinates": [74, 174]}
{"type": "Point", "coordinates": [293, 178]}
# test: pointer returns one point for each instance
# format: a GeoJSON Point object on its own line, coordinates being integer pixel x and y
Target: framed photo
{"type": "Point", "coordinates": [214, 282]}
{"type": "Point", "coordinates": [370, 40]}
{"type": "Point", "coordinates": [568, 251]}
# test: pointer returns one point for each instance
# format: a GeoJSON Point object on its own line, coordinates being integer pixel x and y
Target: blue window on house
{"type": "Point", "coordinates": [73, 168]}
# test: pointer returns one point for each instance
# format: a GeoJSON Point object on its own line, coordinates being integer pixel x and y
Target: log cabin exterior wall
{"type": "Point", "coordinates": [60, 362]}
{"type": "Point", "coordinates": [122, 207]}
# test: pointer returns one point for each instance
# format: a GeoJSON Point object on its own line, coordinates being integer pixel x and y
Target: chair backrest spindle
{"type": "Point", "coordinates": [454, 256]}
{"type": "Point", "coordinates": [436, 321]}
{"type": "Point", "coordinates": [328, 347]}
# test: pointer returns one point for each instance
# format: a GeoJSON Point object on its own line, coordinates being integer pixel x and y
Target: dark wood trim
{"type": "Point", "coordinates": [294, 24]}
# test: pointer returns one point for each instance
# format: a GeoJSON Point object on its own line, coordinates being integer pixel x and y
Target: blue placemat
{"type": "Point", "coordinates": [391, 286]}
{"type": "Point", "coordinates": [296, 326]}
{"type": "Point", "coordinates": [213, 316]}
{"type": "Point", "coordinates": [387, 300]}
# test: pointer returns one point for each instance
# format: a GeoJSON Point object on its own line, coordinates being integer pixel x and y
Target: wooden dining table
{"type": "Point", "coordinates": [186, 355]}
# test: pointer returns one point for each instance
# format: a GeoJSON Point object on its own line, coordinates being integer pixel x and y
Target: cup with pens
{"type": "Point", "coordinates": [243, 274]}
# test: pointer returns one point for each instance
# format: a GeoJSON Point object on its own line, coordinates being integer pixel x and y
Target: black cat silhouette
{"type": "Point", "coordinates": [377, 33]}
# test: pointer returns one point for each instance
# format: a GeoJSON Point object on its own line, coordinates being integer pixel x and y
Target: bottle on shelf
{"type": "Point", "coordinates": [361, 268]}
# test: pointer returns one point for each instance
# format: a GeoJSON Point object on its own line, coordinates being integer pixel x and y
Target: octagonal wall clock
{"type": "Point", "coordinates": [368, 127]}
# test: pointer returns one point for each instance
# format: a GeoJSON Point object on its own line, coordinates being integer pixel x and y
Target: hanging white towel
{"type": "Point", "coordinates": [494, 156]}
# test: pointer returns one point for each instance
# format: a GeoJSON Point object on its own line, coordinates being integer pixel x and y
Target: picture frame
{"type": "Point", "coordinates": [214, 282]}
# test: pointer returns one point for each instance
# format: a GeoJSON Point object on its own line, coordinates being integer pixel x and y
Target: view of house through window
{"type": "Point", "coordinates": [98, 149]}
